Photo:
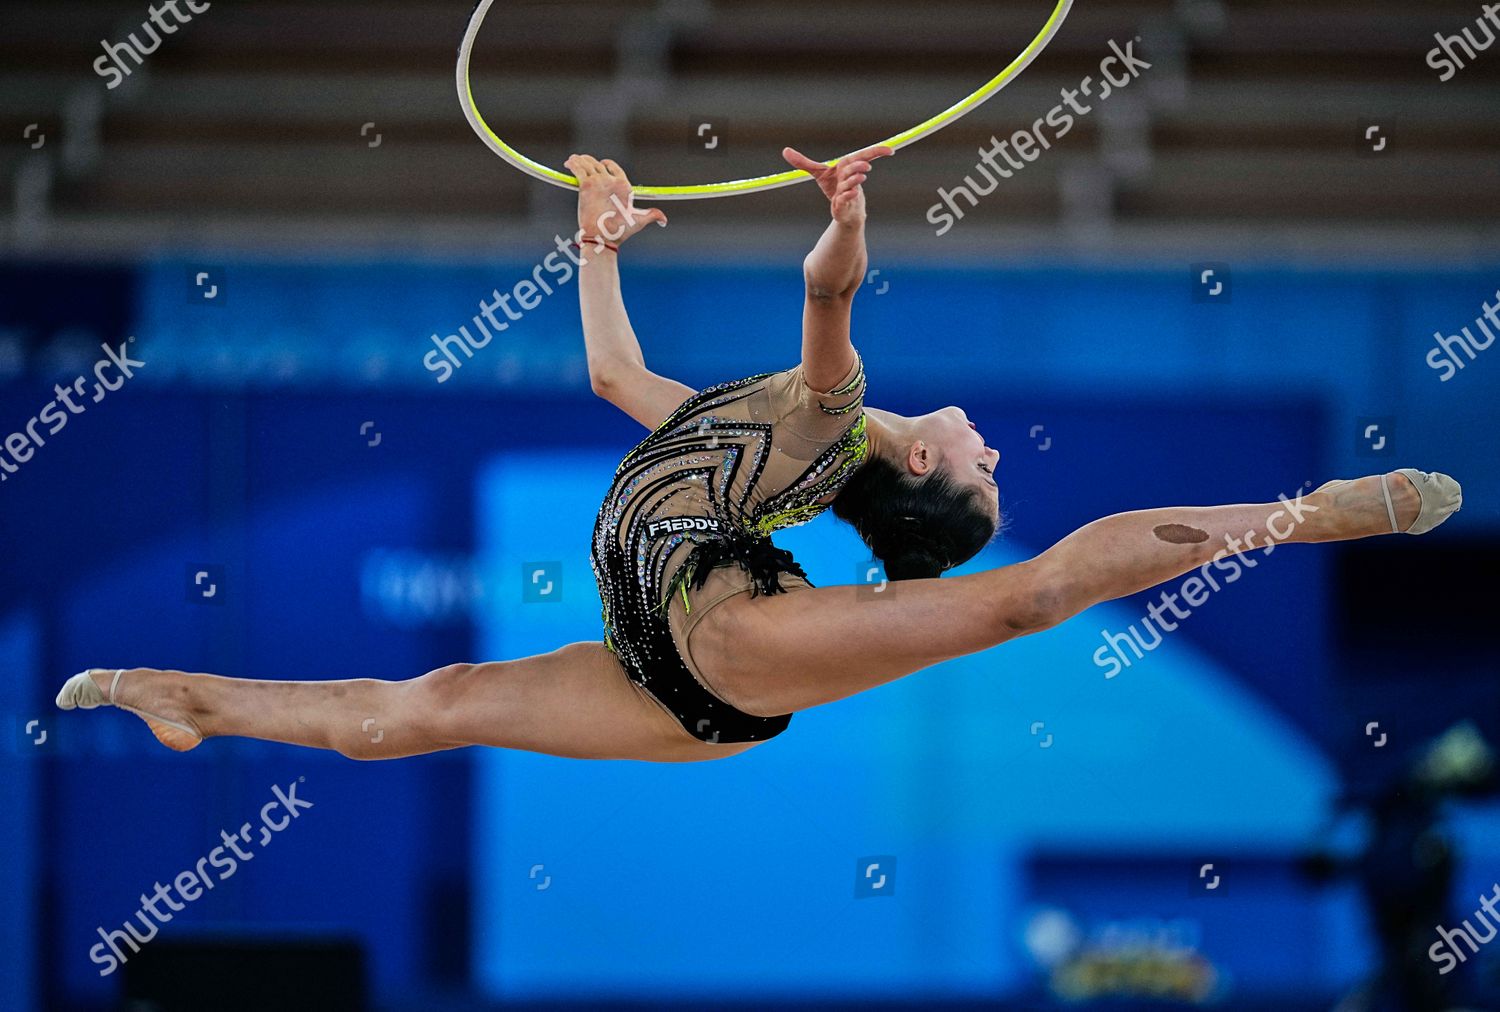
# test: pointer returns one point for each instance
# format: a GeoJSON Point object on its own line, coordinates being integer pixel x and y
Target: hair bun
{"type": "Point", "coordinates": [914, 563]}
{"type": "Point", "coordinates": [918, 528]}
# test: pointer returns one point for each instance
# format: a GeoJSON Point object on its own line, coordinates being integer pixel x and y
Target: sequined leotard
{"type": "Point", "coordinates": [687, 525]}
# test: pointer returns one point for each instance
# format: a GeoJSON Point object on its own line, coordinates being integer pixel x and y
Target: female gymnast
{"type": "Point", "coordinates": [713, 637]}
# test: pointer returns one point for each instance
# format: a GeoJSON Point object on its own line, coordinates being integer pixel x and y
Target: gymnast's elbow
{"type": "Point", "coordinates": [603, 383]}
{"type": "Point", "coordinates": [821, 292]}
{"type": "Point", "coordinates": [609, 377]}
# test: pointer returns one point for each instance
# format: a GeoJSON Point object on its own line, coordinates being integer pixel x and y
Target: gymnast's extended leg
{"type": "Point", "coordinates": [782, 653]}
{"type": "Point", "coordinates": [574, 702]}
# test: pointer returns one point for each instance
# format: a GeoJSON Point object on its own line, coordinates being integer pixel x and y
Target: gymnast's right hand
{"type": "Point", "coordinates": [606, 209]}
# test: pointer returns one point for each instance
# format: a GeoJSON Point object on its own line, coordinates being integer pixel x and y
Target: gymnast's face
{"type": "Point", "coordinates": [947, 439]}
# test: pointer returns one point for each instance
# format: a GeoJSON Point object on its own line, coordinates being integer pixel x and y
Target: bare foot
{"type": "Point", "coordinates": [157, 697]}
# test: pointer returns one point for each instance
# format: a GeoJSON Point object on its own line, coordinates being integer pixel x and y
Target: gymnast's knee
{"type": "Point", "coordinates": [413, 716]}
{"type": "Point", "coordinates": [437, 693]}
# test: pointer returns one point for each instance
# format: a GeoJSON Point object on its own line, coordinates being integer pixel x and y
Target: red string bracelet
{"type": "Point", "coordinates": [596, 242]}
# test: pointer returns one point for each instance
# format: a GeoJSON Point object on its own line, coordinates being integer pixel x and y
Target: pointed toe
{"type": "Point", "coordinates": [80, 693]}
{"type": "Point", "coordinates": [1442, 496]}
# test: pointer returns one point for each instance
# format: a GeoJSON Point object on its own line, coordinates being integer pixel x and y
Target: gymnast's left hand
{"type": "Point", "coordinates": [842, 183]}
{"type": "Point", "coordinates": [606, 208]}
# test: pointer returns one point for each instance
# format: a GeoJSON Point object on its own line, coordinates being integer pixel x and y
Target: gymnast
{"type": "Point", "coordinates": [713, 636]}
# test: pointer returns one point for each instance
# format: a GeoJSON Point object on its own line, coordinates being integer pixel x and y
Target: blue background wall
{"type": "Point", "coordinates": [239, 446]}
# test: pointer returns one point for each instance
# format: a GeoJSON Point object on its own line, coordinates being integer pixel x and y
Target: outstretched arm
{"type": "Point", "coordinates": [617, 369]}
{"type": "Point", "coordinates": [835, 268]}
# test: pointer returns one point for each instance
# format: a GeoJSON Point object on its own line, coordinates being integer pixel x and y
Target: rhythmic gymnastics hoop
{"type": "Point", "coordinates": [737, 186]}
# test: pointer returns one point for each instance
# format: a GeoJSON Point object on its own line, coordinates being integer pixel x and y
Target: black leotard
{"type": "Point", "coordinates": [705, 490]}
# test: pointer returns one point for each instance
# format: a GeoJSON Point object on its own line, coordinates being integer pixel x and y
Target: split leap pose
{"type": "Point", "coordinates": [713, 636]}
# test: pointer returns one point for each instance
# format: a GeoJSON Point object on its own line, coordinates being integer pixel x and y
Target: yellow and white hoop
{"type": "Point", "coordinates": [737, 186]}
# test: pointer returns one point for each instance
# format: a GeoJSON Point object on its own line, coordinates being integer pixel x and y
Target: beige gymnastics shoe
{"type": "Point", "coordinates": [1441, 498]}
{"type": "Point", "coordinates": [1438, 498]}
{"type": "Point", "coordinates": [81, 692]}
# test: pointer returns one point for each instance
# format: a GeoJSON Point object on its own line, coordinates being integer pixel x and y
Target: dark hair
{"type": "Point", "coordinates": [917, 527]}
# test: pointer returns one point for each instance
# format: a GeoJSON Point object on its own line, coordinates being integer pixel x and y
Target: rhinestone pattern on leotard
{"type": "Point", "coordinates": [684, 475]}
